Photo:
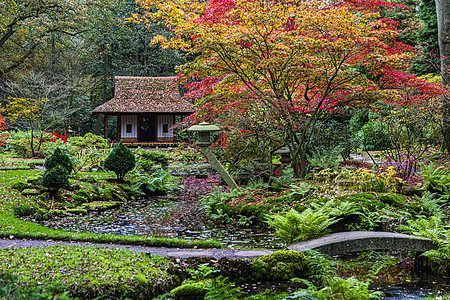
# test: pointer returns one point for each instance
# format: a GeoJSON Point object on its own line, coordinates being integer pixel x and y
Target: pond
{"type": "Point", "coordinates": [177, 215]}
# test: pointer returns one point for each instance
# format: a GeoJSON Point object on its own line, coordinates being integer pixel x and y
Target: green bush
{"type": "Point", "coordinates": [149, 160]}
{"type": "Point", "coordinates": [24, 210]}
{"type": "Point", "coordinates": [189, 291]}
{"type": "Point", "coordinates": [281, 265]}
{"type": "Point", "coordinates": [89, 139]}
{"type": "Point", "coordinates": [55, 178]}
{"type": "Point", "coordinates": [374, 136]}
{"type": "Point", "coordinates": [59, 158]}
{"type": "Point", "coordinates": [121, 160]}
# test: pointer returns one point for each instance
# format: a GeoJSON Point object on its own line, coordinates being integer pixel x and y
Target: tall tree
{"type": "Point", "coordinates": [27, 25]}
{"type": "Point", "coordinates": [427, 39]}
{"type": "Point", "coordinates": [443, 20]}
{"type": "Point", "coordinates": [288, 64]}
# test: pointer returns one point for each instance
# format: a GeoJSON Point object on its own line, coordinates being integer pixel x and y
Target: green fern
{"type": "Point", "coordinates": [434, 177]}
{"type": "Point", "coordinates": [432, 203]}
{"type": "Point", "coordinates": [347, 289]}
{"type": "Point", "coordinates": [432, 228]}
{"type": "Point", "coordinates": [294, 226]}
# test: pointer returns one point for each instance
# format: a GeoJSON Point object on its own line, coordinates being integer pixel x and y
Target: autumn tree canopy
{"type": "Point", "coordinates": [287, 63]}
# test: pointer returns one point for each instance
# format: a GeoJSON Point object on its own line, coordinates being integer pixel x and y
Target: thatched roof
{"type": "Point", "coordinates": [145, 95]}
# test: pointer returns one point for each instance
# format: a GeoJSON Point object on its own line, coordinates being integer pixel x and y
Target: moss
{"type": "Point", "coordinates": [43, 215]}
{"type": "Point", "coordinates": [77, 211]}
{"type": "Point", "coordinates": [34, 180]}
{"type": "Point", "coordinates": [30, 192]}
{"type": "Point", "coordinates": [20, 186]}
{"type": "Point", "coordinates": [80, 199]}
{"type": "Point", "coordinates": [189, 291]}
{"type": "Point", "coordinates": [281, 265]}
{"type": "Point", "coordinates": [102, 205]}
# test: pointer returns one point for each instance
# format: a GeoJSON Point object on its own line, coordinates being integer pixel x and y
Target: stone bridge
{"type": "Point", "coordinates": [357, 241]}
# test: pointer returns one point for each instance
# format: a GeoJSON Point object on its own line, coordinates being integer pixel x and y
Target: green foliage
{"type": "Point", "coordinates": [202, 272]}
{"type": "Point", "coordinates": [293, 226]}
{"type": "Point", "coordinates": [280, 266]}
{"type": "Point", "coordinates": [11, 289]}
{"type": "Point", "coordinates": [59, 158]}
{"type": "Point", "coordinates": [347, 289]}
{"type": "Point", "coordinates": [284, 180]}
{"type": "Point", "coordinates": [20, 143]}
{"type": "Point", "coordinates": [432, 203]}
{"type": "Point", "coordinates": [55, 178]}
{"type": "Point", "coordinates": [189, 291]}
{"type": "Point", "coordinates": [121, 160]}
{"type": "Point", "coordinates": [434, 177]}
{"type": "Point", "coordinates": [326, 159]}
{"type": "Point", "coordinates": [150, 160]}
{"type": "Point", "coordinates": [220, 288]}
{"type": "Point", "coordinates": [432, 228]}
{"type": "Point", "coordinates": [155, 185]}
{"type": "Point", "coordinates": [300, 189]}
{"type": "Point", "coordinates": [123, 273]}
{"type": "Point", "coordinates": [429, 61]}
{"type": "Point", "coordinates": [373, 136]}
{"type": "Point", "coordinates": [24, 210]}
{"type": "Point", "coordinates": [88, 140]}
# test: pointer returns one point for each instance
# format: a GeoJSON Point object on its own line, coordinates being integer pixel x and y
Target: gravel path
{"type": "Point", "coordinates": [172, 252]}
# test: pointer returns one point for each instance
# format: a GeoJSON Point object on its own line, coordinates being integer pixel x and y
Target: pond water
{"type": "Point", "coordinates": [177, 215]}
{"type": "Point", "coordinates": [165, 218]}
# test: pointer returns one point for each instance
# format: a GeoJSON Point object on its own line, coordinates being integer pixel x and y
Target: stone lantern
{"type": "Point", "coordinates": [204, 130]}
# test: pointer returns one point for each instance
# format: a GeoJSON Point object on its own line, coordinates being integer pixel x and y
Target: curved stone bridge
{"type": "Point", "coordinates": [357, 241]}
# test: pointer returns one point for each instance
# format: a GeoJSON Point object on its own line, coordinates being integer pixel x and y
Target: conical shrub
{"type": "Point", "coordinates": [120, 160]}
{"type": "Point", "coordinates": [59, 158]}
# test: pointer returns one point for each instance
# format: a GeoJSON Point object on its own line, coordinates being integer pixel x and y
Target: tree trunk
{"type": "Point", "coordinates": [443, 18]}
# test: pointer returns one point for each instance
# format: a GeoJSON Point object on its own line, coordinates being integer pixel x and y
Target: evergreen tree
{"type": "Point", "coordinates": [59, 158]}
{"type": "Point", "coordinates": [428, 62]}
{"type": "Point", "coordinates": [120, 160]}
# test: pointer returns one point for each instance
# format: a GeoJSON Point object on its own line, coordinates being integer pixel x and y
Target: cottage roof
{"type": "Point", "coordinates": [145, 95]}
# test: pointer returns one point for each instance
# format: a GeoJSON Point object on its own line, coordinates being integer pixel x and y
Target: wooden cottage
{"type": "Point", "coordinates": [146, 108]}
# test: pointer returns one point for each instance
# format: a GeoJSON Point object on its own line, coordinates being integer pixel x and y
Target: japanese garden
{"type": "Point", "coordinates": [224, 149]}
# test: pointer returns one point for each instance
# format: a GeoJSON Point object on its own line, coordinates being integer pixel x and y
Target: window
{"type": "Point", "coordinates": [165, 128]}
{"type": "Point", "coordinates": [129, 128]}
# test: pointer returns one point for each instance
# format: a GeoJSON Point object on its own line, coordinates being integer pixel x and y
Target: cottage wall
{"type": "Point", "coordinates": [128, 123]}
{"type": "Point", "coordinates": [164, 128]}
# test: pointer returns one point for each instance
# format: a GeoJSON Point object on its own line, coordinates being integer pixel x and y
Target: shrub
{"type": "Point", "coordinates": [121, 160]}
{"type": "Point", "coordinates": [55, 178]}
{"type": "Point", "coordinates": [149, 160]}
{"type": "Point", "coordinates": [24, 210]}
{"type": "Point", "coordinates": [59, 158]}
{"type": "Point", "coordinates": [89, 139]}
{"type": "Point", "coordinates": [281, 265]}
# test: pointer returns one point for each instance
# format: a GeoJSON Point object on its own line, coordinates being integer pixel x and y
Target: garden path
{"type": "Point", "coordinates": [172, 252]}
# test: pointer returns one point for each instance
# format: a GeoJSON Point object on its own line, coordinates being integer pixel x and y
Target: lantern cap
{"type": "Point", "coordinates": [204, 126]}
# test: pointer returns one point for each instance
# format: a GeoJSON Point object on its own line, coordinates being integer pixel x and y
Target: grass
{"type": "Point", "coordinates": [11, 226]}
{"type": "Point", "coordinates": [91, 272]}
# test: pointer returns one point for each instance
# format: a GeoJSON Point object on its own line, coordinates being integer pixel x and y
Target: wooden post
{"type": "Point", "coordinates": [119, 127]}
{"type": "Point", "coordinates": [106, 125]}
